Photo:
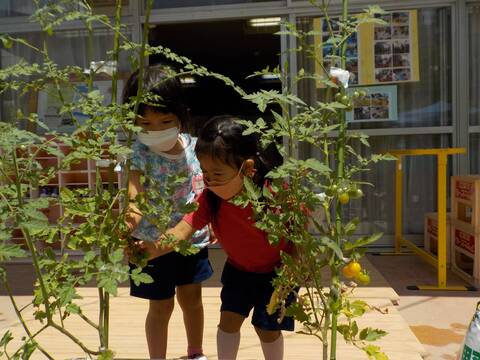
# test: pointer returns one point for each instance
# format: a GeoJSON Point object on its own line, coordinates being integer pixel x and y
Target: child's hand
{"type": "Point", "coordinates": [213, 237]}
{"type": "Point", "coordinates": [154, 249]}
{"type": "Point", "coordinates": [136, 254]}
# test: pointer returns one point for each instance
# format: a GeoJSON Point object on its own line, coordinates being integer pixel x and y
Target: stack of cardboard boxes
{"type": "Point", "coordinates": [465, 227]}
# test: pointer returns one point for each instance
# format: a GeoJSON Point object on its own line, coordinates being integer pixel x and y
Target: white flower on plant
{"type": "Point", "coordinates": [341, 75]}
{"type": "Point", "coordinates": [107, 67]}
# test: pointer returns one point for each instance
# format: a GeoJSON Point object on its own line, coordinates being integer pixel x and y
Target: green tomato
{"type": "Point", "coordinates": [355, 192]}
{"type": "Point", "coordinates": [363, 278]}
{"type": "Point", "coordinates": [359, 194]}
{"type": "Point", "coordinates": [362, 93]}
{"type": "Point", "coordinates": [356, 94]}
{"type": "Point", "coordinates": [345, 100]}
{"type": "Point", "coordinates": [332, 190]}
{"type": "Point", "coordinates": [338, 97]}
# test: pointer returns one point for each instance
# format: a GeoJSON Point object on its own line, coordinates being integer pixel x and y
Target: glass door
{"type": "Point", "coordinates": [474, 85]}
{"type": "Point", "coordinates": [407, 71]}
{"type": "Point", "coordinates": [235, 48]}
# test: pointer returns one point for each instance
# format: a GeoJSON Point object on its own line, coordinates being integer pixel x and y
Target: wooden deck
{"type": "Point", "coordinates": [128, 340]}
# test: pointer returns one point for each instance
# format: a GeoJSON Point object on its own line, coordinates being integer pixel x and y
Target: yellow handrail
{"type": "Point", "coordinates": [441, 261]}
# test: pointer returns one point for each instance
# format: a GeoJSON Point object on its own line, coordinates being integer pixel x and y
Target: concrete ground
{"type": "Point", "coordinates": [439, 319]}
{"type": "Point", "coordinates": [128, 339]}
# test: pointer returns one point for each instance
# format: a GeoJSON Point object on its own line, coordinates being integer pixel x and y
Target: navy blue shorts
{"type": "Point", "coordinates": [243, 291]}
{"type": "Point", "coordinates": [172, 270]}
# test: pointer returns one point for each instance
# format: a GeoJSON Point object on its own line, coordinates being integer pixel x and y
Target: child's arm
{"type": "Point", "coordinates": [181, 232]}
{"type": "Point", "coordinates": [134, 188]}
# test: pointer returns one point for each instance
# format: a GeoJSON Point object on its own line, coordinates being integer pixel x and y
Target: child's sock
{"type": "Point", "coordinates": [227, 344]}
{"type": "Point", "coordinates": [273, 350]}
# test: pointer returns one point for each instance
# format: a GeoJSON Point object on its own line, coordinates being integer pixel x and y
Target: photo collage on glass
{"type": "Point", "coordinates": [351, 53]}
{"type": "Point", "coordinates": [375, 106]}
{"type": "Point", "coordinates": [392, 48]}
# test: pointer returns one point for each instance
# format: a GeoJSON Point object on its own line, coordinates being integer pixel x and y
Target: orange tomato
{"type": "Point", "coordinates": [353, 269]}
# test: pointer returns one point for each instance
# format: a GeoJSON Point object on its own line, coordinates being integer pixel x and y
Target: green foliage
{"type": "Point", "coordinates": [23, 353]}
{"type": "Point", "coordinates": [288, 206]}
{"type": "Point", "coordinates": [93, 223]}
{"type": "Point", "coordinates": [85, 245]}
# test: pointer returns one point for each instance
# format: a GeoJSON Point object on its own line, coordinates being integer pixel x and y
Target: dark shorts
{"type": "Point", "coordinates": [243, 291]}
{"type": "Point", "coordinates": [172, 270]}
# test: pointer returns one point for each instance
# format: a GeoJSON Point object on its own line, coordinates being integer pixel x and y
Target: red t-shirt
{"type": "Point", "coordinates": [247, 247]}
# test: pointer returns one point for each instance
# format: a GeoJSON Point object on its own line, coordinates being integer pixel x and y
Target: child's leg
{"type": "Point", "coordinates": [156, 327]}
{"type": "Point", "coordinates": [228, 335]}
{"type": "Point", "coordinates": [190, 299]}
{"type": "Point", "coordinates": [272, 343]}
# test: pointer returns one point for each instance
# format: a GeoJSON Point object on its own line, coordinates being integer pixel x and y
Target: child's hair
{"type": "Point", "coordinates": [222, 138]}
{"type": "Point", "coordinates": [159, 80]}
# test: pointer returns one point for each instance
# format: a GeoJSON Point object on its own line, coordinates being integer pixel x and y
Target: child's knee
{"type": "Point", "coordinates": [161, 309]}
{"type": "Point", "coordinates": [268, 336]}
{"type": "Point", "coordinates": [190, 296]}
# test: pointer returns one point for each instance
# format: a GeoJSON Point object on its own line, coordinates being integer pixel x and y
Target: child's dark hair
{"type": "Point", "coordinates": [222, 138]}
{"type": "Point", "coordinates": [159, 80]}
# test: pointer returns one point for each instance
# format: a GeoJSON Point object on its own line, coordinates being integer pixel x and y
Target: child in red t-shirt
{"type": "Point", "coordinates": [226, 156]}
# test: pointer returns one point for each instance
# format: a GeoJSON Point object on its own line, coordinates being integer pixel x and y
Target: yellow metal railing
{"type": "Point", "coordinates": [439, 262]}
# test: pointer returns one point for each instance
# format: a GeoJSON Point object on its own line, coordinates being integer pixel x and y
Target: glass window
{"type": "Point", "coordinates": [163, 4]}
{"type": "Point", "coordinates": [474, 68]}
{"type": "Point", "coordinates": [16, 8]}
{"type": "Point", "coordinates": [427, 102]}
{"type": "Point", "coordinates": [376, 210]}
{"type": "Point", "coordinates": [474, 85]}
{"type": "Point", "coordinates": [474, 153]}
{"type": "Point", "coordinates": [12, 8]}
{"type": "Point", "coordinates": [423, 103]}
{"type": "Point", "coordinates": [65, 48]}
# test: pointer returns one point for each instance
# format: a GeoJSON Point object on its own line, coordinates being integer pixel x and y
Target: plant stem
{"type": "Point", "coordinates": [88, 321]}
{"type": "Point", "coordinates": [116, 49]}
{"type": "Point", "coordinates": [74, 339]}
{"type": "Point", "coordinates": [325, 328]}
{"type": "Point", "coordinates": [31, 246]}
{"type": "Point", "coordinates": [100, 315]}
{"type": "Point", "coordinates": [138, 98]}
{"type": "Point", "coordinates": [340, 175]}
{"type": "Point", "coordinates": [106, 321]}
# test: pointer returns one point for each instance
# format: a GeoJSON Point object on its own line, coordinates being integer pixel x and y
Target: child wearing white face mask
{"type": "Point", "coordinates": [226, 157]}
{"type": "Point", "coordinates": [160, 150]}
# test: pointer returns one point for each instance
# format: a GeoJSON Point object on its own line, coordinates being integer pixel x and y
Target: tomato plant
{"type": "Point", "coordinates": [334, 173]}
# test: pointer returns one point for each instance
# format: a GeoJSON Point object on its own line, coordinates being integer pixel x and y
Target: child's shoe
{"type": "Point", "coordinates": [198, 357]}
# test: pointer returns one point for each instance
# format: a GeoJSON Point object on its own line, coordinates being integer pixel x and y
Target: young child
{"type": "Point", "coordinates": [160, 150]}
{"type": "Point", "coordinates": [226, 156]}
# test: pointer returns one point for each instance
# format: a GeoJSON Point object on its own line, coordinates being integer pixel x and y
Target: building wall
{"type": "Point", "coordinates": [441, 110]}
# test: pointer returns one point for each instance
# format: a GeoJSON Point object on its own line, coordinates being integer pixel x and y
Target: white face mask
{"type": "Point", "coordinates": [159, 141]}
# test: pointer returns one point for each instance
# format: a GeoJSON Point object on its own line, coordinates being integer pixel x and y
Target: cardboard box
{"type": "Point", "coordinates": [431, 235]}
{"type": "Point", "coordinates": [466, 252]}
{"type": "Point", "coordinates": [466, 200]}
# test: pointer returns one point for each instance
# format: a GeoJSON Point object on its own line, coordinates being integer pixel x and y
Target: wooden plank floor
{"type": "Point", "coordinates": [127, 324]}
